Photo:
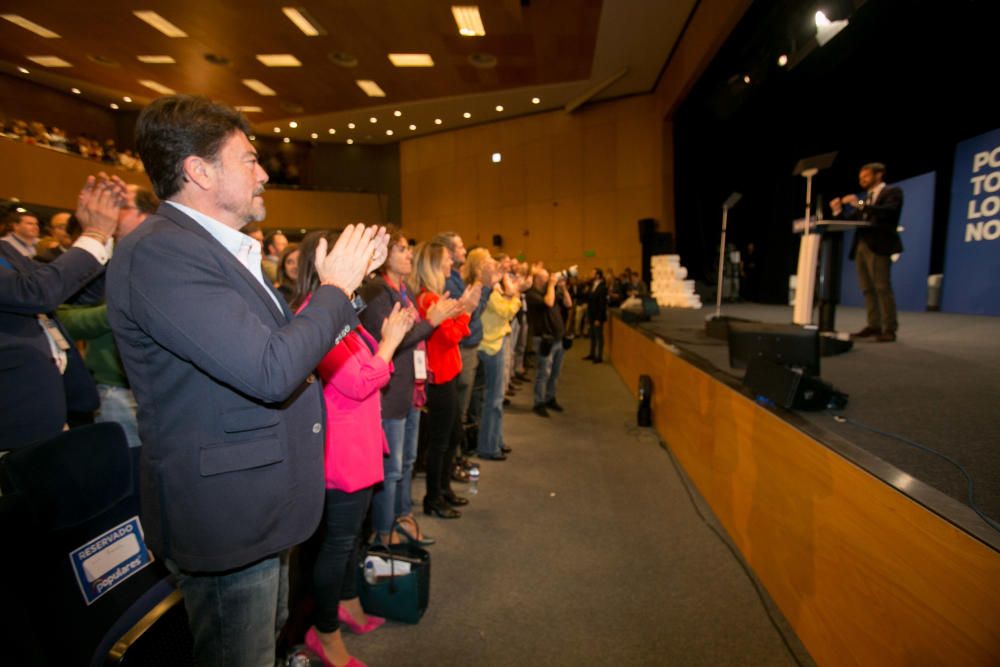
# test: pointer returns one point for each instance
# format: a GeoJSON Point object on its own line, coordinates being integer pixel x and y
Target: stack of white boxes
{"type": "Point", "coordinates": [669, 286]}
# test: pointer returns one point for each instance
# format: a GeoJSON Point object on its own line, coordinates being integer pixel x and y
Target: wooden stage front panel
{"type": "Point", "coordinates": [864, 574]}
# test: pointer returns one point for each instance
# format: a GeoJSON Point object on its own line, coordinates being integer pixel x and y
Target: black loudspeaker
{"type": "Point", "coordinates": [645, 414]}
{"type": "Point", "coordinates": [497, 240]}
{"type": "Point", "coordinates": [790, 388]}
{"type": "Point", "coordinates": [783, 344]}
{"type": "Point", "coordinates": [646, 228]}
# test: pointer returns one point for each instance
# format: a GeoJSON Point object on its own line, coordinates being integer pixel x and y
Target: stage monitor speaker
{"type": "Point", "coordinates": [497, 240]}
{"type": "Point", "coordinates": [784, 344]}
{"type": "Point", "coordinates": [790, 388]}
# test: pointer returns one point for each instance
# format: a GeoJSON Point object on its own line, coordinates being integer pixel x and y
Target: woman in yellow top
{"type": "Point", "coordinates": [501, 308]}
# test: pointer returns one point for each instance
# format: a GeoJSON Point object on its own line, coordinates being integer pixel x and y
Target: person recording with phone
{"type": "Point", "coordinates": [547, 329]}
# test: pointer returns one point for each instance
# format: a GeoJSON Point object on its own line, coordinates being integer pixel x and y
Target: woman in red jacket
{"type": "Point", "coordinates": [432, 263]}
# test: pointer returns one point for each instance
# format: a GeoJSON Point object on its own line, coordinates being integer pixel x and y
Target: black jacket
{"type": "Point", "coordinates": [883, 214]}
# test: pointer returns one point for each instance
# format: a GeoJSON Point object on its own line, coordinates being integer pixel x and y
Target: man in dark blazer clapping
{"type": "Point", "coordinates": [230, 415]}
{"type": "Point", "coordinates": [874, 246]}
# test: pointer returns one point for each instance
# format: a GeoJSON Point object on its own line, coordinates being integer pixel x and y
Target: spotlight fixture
{"type": "Point", "coordinates": [75, 91]}
{"type": "Point", "coordinates": [277, 130]}
{"type": "Point", "coordinates": [496, 158]}
{"type": "Point", "coordinates": [397, 113]}
{"type": "Point", "coordinates": [437, 121]}
{"type": "Point", "coordinates": [536, 100]}
{"type": "Point", "coordinates": [499, 107]}
{"type": "Point", "coordinates": [466, 115]}
{"type": "Point", "coordinates": [126, 99]}
{"type": "Point", "coordinates": [114, 106]}
{"type": "Point", "coordinates": [412, 127]}
{"type": "Point", "coordinates": [388, 133]}
{"type": "Point", "coordinates": [332, 131]}
{"type": "Point", "coordinates": [746, 79]}
{"type": "Point", "coordinates": [350, 126]}
{"type": "Point", "coordinates": [287, 140]}
{"type": "Point", "coordinates": [827, 29]}
{"type": "Point", "coordinates": [350, 141]}
{"type": "Point", "coordinates": [314, 135]}
{"type": "Point", "coordinates": [23, 70]}
{"type": "Point", "coordinates": [293, 125]}
{"type": "Point", "coordinates": [782, 60]}
{"type": "Point", "coordinates": [373, 119]}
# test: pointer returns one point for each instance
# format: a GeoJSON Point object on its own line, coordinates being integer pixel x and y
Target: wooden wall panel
{"type": "Point", "coordinates": [864, 574]}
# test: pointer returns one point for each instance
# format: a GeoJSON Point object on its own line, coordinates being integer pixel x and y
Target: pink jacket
{"type": "Point", "coordinates": [355, 443]}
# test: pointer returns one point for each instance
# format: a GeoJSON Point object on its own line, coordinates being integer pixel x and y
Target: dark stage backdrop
{"type": "Point", "coordinates": [903, 84]}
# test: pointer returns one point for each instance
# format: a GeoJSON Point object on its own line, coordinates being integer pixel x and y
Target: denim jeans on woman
{"type": "Point", "coordinates": [549, 366]}
{"type": "Point", "coordinates": [491, 426]}
{"type": "Point", "coordinates": [393, 499]}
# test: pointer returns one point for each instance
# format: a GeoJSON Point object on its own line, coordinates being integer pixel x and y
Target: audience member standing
{"type": "Point", "coordinates": [23, 232]}
{"type": "Point", "coordinates": [546, 325]}
{"type": "Point", "coordinates": [597, 313]}
{"type": "Point", "coordinates": [352, 373]}
{"type": "Point", "coordinates": [274, 245]}
{"type": "Point", "coordinates": [230, 418]}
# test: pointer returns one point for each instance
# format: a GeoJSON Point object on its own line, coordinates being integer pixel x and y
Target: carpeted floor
{"type": "Point", "coordinates": [583, 548]}
{"type": "Point", "coordinates": [936, 385]}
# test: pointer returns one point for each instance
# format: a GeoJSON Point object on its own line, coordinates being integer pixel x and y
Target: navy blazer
{"type": "Point", "coordinates": [36, 396]}
{"type": "Point", "coordinates": [883, 214]}
{"type": "Point", "coordinates": [230, 417]}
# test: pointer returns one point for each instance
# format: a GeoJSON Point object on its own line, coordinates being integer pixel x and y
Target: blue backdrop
{"type": "Point", "coordinates": [972, 253]}
{"type": "Point", "coordinates": [909, 273]}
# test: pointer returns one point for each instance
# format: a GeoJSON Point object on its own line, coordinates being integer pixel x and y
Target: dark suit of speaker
{"type": "Point", "coordinates": [883, 214]}
{"type": "Point", "coordinates": [230, 417]}
{"type": "Point", "coordinates": [36, 396]}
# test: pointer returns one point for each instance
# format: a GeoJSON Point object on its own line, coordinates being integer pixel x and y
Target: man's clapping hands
{"type": "Point", "coordinates": [357, 252]}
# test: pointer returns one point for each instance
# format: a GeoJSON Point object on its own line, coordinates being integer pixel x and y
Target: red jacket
{"type": "Point", "coordinates": [444, 361]}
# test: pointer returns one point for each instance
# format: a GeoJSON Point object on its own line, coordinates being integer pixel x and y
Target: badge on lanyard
{"type": "Point", "coordinates": [419, 365]}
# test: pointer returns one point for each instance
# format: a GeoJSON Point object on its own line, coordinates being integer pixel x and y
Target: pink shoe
{"type": "Point", "coordinates": [358, 629]}
{"type": "Point", "coordinates": [316, 646]}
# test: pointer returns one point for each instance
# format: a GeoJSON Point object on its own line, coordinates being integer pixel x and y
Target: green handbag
{"type": "Point", "coordinates": [400, 597]}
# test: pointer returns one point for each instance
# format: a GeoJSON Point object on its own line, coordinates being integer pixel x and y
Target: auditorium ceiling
{"type": "Point", "coordinates": [534, 55]}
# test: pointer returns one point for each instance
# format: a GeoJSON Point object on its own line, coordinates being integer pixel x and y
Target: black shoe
{"type": "Point", "coordinates": [506, 402]}
{"type": "Point", "coordinates": [493, 457]}
{"type": "Point", "coordinates": [439, 508]}
{"type": "Point", "coordinates": [553, 405]}
{"type": "Point", "coordinates": [453, 499]}
{"type": "Point", "coordinates": [886, 337]}
{"type": "Point", "coordinates": [504, 449]}
{"type": "Point", "coordinates": [540, 410]}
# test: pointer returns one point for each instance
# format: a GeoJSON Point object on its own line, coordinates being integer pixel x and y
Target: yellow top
{"type": "Point", "coordinates": [500, 310]}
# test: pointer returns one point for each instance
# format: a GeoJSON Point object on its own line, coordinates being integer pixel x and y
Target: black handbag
{"type": "Point", "coordinates": [400, 597]}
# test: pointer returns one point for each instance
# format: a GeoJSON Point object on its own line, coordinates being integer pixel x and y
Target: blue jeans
{"type": "Point", "coordinates": [393, 499]}
{"type": "Point", "coordinates": [549, 366]}
{"type": "Point", "coordinates": [236, 616]}
{"type": "Point", "coordinates": [118, 405]}
{"type": "Point", "coordinates": [491, 426]}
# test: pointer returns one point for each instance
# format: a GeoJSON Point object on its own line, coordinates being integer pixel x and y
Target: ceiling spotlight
{"type": "Point", "coordinates": [413, 127]}
{"type": "Point", "coordinates": [114, 106]}
{"type": "Point", "coordinates": [277, 130]}
{"type": "Point", "coordinates": [499, 107]}
{"type": "Point", "coordinates": [287, 140]}
{"type": "Point", "coordinates": [746, 79]}
{"type": "Point", "coordinates": [350, 141]}
{"type": "Point", "coordinates": [332, 131]}
{"type": "Point", "coordinates": [397, 113]}
{"type": "Point", "coordinates": [536, 100]}
{"type": "Point", "coordinates": [23, 70]}
{"type": "Point", "coordinates": [314, 135]}
{"type": "Point", "coordinates": [827, 29]}
{"type": "Point", "coordinates": [466, 115]}
{"type": "Point", "coordinates": [126, 99]}
{"type": "Point", "coordinates": [350, 126]}
{"type": "Point", "coordinates": [388, 133]}
{"type": "Point", "coordinates": [373, 119]}
{"type": "Point", "coordinates": [293, 125]}
{"type": "Point", "coordinates": [782, 60]}
{"type": "Point", "coordinates": [75, 91]}
{"type": "Point", "coordinates": [496, 158]}
{"type": "Point", "coordinates": [437, 121]}
{"type": "Point", "coordinates": [821, 20]}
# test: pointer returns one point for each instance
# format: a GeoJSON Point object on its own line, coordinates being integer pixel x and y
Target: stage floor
{"type": "Point", "coordinates": [938, 385]}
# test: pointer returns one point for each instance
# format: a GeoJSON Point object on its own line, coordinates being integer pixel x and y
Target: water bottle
{"type": "Point", "coordinates": [473, 487]}
{"type": "Point", "coordinates": [370, 575]}
{"type": "Point", "coordinates": [299, 658]}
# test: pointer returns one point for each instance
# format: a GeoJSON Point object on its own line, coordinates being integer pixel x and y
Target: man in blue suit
{"type": "Point", "coordinates": [230, 416]}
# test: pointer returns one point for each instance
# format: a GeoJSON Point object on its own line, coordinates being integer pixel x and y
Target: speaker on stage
{"type": "Point", "coordinates": [783, 344]}
{"type": "Point", "coordinates": [790, 388]}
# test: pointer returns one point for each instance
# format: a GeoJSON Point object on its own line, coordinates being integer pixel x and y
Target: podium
{"type": "Point", "coordinates": [820, 253]}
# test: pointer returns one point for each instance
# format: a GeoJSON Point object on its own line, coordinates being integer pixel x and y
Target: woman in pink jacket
{"type": "Point", "coordinates": [353, 372]}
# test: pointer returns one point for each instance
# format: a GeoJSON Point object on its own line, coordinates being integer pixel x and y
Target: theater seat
{"type": "Point", "coordinates": [59, 495]}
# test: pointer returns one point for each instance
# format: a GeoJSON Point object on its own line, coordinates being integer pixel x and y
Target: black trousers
{"type": "Point", "coordinates": [597, 340]}
{"type": "Point", "coordinates": [443, 434]}
{"type": "Point", "coordinates": [335, 573]}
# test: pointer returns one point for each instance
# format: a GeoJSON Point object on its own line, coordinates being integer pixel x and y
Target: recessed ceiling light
{"type": "Point", "coordinates": [287, 140]}
{"type": "Point", "coordinates": [18, 20]}
{"type": "Point", "coordinates": [373, 119]}
{"type": "Point", "coordinates": [41, 31]}
{"type": "Point", "coordinates": [350, 141]}
{"type": "Point", "coordinates": [397, 113]}
{"type": "Point", "coordinates": [156, 60]}
{"type": "Point", "coordinates": [746, 79]}
{"type": "Point", "coordinates": [496, 158]}
{"type": "Point", "coordinates": [413, 127]}
{"type": "Point", "coordinates": [350, 126]}
{"type": "Point", "coordinates": [499, 107]}
{"type": "Point", "coordinates": [259, 87]}
{"type": "Point", "coordinates": [370, 87]}
{"type": "Point", "coordinates": [536, 100]}
{"type": "Point", "coordinates": [277, 130]}
{"type": "Point", "coordinates": [126, 99]}
{"type": "Point", "coordinates": [332, 131]}
{"type": "Point", "coordinates": [75, 91]}
{"type": "Point", "coordinates": [467, 18]}
{"type": "Point", "coordinates": [303, 21]}
{"type": "Point", "coordinates": [466, 115]}
{"type": "Point", "coordinates": [114, 106]}
{"type": "Point", "coordinates": [244, 109]}
{"type": "Point", "coordinates": [388, 133]}
{"type": "Point", "coordinates": [437, 121]}
{"type": "Point", "coordinates": [314, 135]}
{"type": "Point", "coordinates": [23, 70]}
{"type": "Point", "coordinates": [293, 125]}
{"type": "Point", "coordinates": [411, 59]}
{"type": "Point", "coordinates": [160, 23]}
{"type": "Point", "coordinates": [782, 60]}
{"type": "Point", "coordinates": [279, 60]}
{"type": "Point", "coordinates": [49, 61]}
{"type": "Point", "coordinates": [158, 87]}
